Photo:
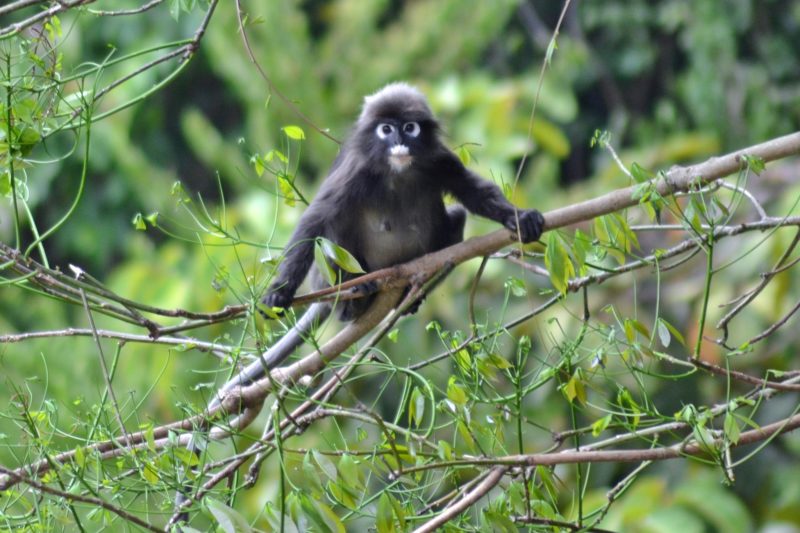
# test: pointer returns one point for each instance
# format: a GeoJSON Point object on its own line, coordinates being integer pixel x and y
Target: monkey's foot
{"type": "Point", "coordinates": [531, 224]}
{"type": "Point", "coordinates": [366, 288]}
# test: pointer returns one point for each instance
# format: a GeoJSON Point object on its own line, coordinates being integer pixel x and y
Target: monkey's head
{"type": "Point", "coordinates": [396, 127]}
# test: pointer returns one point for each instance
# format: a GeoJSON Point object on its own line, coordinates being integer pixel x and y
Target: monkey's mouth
{"type": "Point", "coordinates": [399, 157]}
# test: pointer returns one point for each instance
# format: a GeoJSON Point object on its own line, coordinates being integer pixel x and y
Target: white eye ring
{"type": "Point", "coordinates": [384, 130]}
{"type": "Point", "coordinates": [411, 129]}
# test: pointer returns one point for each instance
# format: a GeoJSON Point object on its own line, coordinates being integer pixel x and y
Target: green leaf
{"type": "Point", "coordinates": [311, 476]}
{"type": "Point", "coordinates": [463, 430]}
{"type": "Point", "coordinates": [294, 132]}
{"type": "Point", "coordinates": [258, 165]}
{"type": "Point", "coordinates": [444, 450]}
{"type": "Point", "coordinates": [349, 473]}
{"type": "Point", "coordinates": [731, 428]}
{"type": "Point", "coordinates": [575, 389]}
{"type": "Point", "coordinates": [138, 222]}
{"type": "Point", "coordinates": [327, 466]}
{"type": "Point", "coordinates": [499, 522]}
{"type": "Point", "coordinates": [464, 155]}
{"type": "Point", "coordinates": [80, 456]}
{"type": "Point", "coordinates": [719, 506]}
{"type": "Point", "coordinates": [754, 163]}
{"type": "Point", "coordinates": [323, 266]}
{"type": "Point", "coordinates": [287, 190]}
{"type": "Point", "coordinates": [456, 392]}
{"type": "Point", "coordinates": [273, 313]}
{"type": "Point", "coordinates": [552, 46]}
{"type": "Point", "coordinates": [340, 257]}
{"type": "Point", "coordinates": [384, 515]}
{"type": "Point", "coordinates": [416, 407]}
{"type": "Point", "coordinates": [641, 174]}
{"type": "Point", "coordinates": [675, 333]}
{"type": "Point", "coordinates": [600, 425]}
{"type": "Point", "coordinates": [516, 286]}
{"type": "Point", "coordinates": [150, 473]}
{"type": "Point", "coordinates": [663, 333]}
{"type": "Point", "coordinates": [558, 263]}
{"type": "Point", "coordinates": [5, 181]}
{"type": "Point", "coordinates": [228, 519]}
{"type": "Point", "coordinates": [632, 325]}
{"type": "Point", "coordinates": [186, 456]}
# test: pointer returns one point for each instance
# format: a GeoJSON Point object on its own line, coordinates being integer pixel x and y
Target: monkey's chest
{"type": "Point", "coordinates": [391, 237]}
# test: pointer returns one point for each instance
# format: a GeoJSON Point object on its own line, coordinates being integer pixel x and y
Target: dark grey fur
{"type": "Point", "coordinates": [384, 215]}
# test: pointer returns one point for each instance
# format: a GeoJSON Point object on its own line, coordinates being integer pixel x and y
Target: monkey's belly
{"type": "Point", "coordinates": [389, 241]}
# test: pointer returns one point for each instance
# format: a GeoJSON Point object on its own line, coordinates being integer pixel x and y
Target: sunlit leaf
{"type": "Point", "coordinates": [294, 132]}
{"type": "Point", "coordinates": [340, 257]}
{"type": "Point", "coordinates": [227, 518]}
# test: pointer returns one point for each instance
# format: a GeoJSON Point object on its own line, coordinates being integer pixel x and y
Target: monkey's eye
{"type": "Point", "coordinates": [411, 129]}
{"type": "Point", "coordinates": [384, 130]}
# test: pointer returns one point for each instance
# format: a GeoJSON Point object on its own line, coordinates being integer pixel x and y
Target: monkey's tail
{"type": "Point", "coordinates": [274, 356]}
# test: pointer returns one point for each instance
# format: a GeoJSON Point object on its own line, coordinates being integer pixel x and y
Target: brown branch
{"type": "Point", "coordinates": [70, 496]}
{"type": "Point", "coordinates": [677, 179]}
{"type": "Point", "coordinates": [494, 477]}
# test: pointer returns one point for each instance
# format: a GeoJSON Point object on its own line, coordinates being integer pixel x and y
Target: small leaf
{"type": "Point", "coordinates": [445, 451]}
{"type": "Point", "coordinates": [341, 257]}
{"type": "Point", "coordinates": [287, 190]}
{"type": "Point", "coordinates": [641, 174]}
{"type": "Point", "coordinates": [416, 407]}
{"type": "Point", "coordinates": [575, 390]}
{"type": "Point", "coordinates": [327, 466]}
{"type": "Point", "coordinates": [150, 473]}
{"type": "Point", "coordinates": [258, 165]}
{"type": "Point", "coordinates": [384, 516]}
{"type": "Point", "coordinates": [349, 473]}
{"type": "Point", "coordinates": [464, 155]}
{"type": "Point", "coordinates": [675, 333]}
{"type": "Point", "coordinates": [516, 286]}
{"type": "Point", "coordinates": [558, 263]}
{"type": "Point", "coordinates": [138, 222]}
{"type": "Point", "coordinates": [294, 132]}
{"type": "Point", "coordinates": [185, 456]}
{"type": "Point", "coordinates": [731, 428]}
{"type": "Point", "coordinates": [80, 456]}
{"type": "Point", "coordinates": [322, 265]}
{"type": "Point", "coordinates": [456, 392]}
{"type": "Point", "coordinates": [311, 476]}
{"type": "Point", "coordinates": [600, 425]}
{"type": "Point", "coordinates": [228, 519]}
{"type": "Point", "coordinates": [273, 313]}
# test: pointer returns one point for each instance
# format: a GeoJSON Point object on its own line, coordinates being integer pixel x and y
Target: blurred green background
{"type": "Point", "coordinates": [674, 81]}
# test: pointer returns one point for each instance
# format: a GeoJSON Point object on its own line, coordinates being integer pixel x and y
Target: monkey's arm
{"type": "Point", "coordinates": [297, 259]}
{"type": "Point", "coordinates": [485, 199]}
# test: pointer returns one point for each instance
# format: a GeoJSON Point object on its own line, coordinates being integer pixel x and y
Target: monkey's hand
{"type": "Point", "coordinates": [531, 224]}
{"type": "Point", "coordinates": [277, 297]}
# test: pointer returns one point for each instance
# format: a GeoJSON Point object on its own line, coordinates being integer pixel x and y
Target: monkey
{"type": "Point", "coordinates": [383, 198]}
{"type": "Point", "coordinates": [383, 201]}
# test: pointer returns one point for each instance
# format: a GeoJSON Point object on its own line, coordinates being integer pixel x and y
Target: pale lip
{"type": "Point", "coordinates": [399, 158]}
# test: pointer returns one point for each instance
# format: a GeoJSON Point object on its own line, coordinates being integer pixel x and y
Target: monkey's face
{"type": "Point", "coordinates": [399, 142]}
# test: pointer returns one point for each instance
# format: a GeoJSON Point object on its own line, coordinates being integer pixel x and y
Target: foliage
{"type": "Point", "coordinates": [150, 176]}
